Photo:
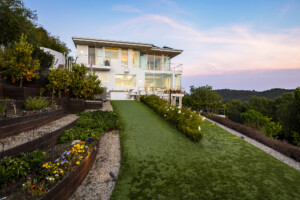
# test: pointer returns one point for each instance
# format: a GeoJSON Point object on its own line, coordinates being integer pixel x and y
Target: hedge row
{"type": "Point", "coordinates": [183, 119]}
{"type": "Point", "coordinates": [278, 145]}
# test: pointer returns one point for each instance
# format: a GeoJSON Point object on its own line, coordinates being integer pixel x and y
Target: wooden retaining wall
{"type": "Point", "coordinates": [13, 126]}
{"type": "Point", "coordinates": [69, 184]}
{"type": "Point", "coordinates": [44, 142]}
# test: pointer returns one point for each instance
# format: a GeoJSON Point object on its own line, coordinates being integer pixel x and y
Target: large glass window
{"type": "Point", "coordinates": [158, 60]}
{"type": "Point", "coordinates": [166, 63]}
{"type": "Point", "coordinates": [124, 80]}
{"type": "Point", "coordinates": [91, 55]}
{"type": "Point", "coordinates": [99, 56]}
{"type": "Point", "coordinates": [124, 58]}
{"type": "Point", "coordinates": [143, 61]}
{"type": "Point", "coordinates": [154, 82]}
{"type": "Point", "coordinates": [151, 62]}
{"type": "Point", "coordinates": [178, 81]}
{"type": "Point", "coordinates": [111, 53]}
{"type": "Point", "coordinates": [136, 59]}
{"type": "Point", "coordinates": [103, 77]}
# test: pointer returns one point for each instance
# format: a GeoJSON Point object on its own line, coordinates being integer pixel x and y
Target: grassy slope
{"type": "Point", "coordinates": [158, 162]}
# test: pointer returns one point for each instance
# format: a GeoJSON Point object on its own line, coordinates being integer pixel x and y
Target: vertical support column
{"type": "Point", "coordinates": [180, 102]}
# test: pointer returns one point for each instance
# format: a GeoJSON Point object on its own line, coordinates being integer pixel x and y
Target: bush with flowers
{"type": "Point", "coordinates": [185, 120]}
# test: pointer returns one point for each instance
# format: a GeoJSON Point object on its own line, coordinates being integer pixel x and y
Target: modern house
{"type": "Point", "coordinates": [129, 69]}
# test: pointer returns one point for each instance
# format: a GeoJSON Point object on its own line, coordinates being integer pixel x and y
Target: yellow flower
{"type": "Point", "coordinates": [77, 163]}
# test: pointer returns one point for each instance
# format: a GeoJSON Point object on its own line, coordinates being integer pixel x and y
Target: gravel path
{"type": "Point", "coordinates": [26, 136]}
{"type": "Point", "coordinates": [289, 161]}
{"type": "Point", "coordinates": [99, 184]}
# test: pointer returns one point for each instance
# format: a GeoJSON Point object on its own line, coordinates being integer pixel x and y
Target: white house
{"type": "Point", "coordinates": [129, 69]}
{"type": "Point", "coordinates": [59, 58]}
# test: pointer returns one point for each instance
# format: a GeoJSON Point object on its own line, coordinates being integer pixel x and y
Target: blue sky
{"type": "Point", "coordinates": [227, 44]}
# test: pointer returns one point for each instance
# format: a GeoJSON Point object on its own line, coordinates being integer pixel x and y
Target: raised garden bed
{"type": "Point", "coordinates": [93, 104]}
{"type": "Point", "coordinates": [42, 143]}
{"type": "Point", "coordinates": [69, 184]}
{"type": "Point", "coordinates": [18, 93]}
{"type": "Point", "coordinates": [13, 126]}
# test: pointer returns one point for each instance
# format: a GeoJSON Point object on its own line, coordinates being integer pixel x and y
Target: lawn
{"type": "Point", "coordinates": [158, 162]}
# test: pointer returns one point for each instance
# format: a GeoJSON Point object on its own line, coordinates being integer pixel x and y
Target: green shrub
{"type": "Point", "coordinates": [254, 119]}
{"type": "Point", "coordinates": [3, 106]}
{"type": "Point", "coordinates": [36, 103]}
{"type": "Point", "coordinates": [90, 124]}
{"type": "Point", "coordinates": [185, 120]}
{"type": "Point", "coordinates": [272, 129]}
{"type": "Point", "coordinates": [15, 168]}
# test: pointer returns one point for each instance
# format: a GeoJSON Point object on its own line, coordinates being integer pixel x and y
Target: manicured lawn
{"type": "Point", "coordinates": [158, 162]}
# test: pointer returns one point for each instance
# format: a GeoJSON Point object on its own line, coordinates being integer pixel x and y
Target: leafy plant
{"type": "Point", "coordinates": [3, 106]}
{"type": "Point", "coordinates": [36, 103]}
{"type": "Point", "coordinates": [20, 66]}
{"type": "Point", "coordinates": [272, 129]}
{"type": "Point", "coordinates": [185, 120]}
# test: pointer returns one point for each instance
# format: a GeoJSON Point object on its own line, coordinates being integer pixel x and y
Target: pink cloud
{"type": "Point", "coordinates": [215, 51]}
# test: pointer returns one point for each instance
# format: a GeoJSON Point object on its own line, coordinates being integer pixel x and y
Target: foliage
{"type": "Point", "coordinates": [202, 97]}
{"type": "Point", "coordinates": [272, 129]}
{"type": "Point", "coordinates": [58, 80]}
{"type": "Point", "coordinates": [36, 103]}
{"type": "Point", "coordinates": [3, 106]}
{"type": "Point", "coordinates": [46, 61]}
{"type": "Point", "coordinates": [90, 125]}
{"type": "Point", "coordinates": [82, 86]}
{"type": "Point", "coordinates": [19, 167]}
{"type": "Point", "coordinates": [185, 120]}
{"type": "Point", "coordinates": [254, 119]}
{"type": "Point", "coordinates": [245, 95]}
{"type": "Point", "coordinates": [278, 145]}
{"type": "Point", "coordinates": [19, 65]}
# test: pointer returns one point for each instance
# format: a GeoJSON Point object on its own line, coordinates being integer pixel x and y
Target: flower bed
{"type": "Point", "coordinates": [280, 146]}
{"type": "Point", "coordinates": [183, 119]}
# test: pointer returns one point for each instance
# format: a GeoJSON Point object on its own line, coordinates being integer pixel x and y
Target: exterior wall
{"type": "Point", "coordinates": [59, 58]}
{"type": "Point", "coordinates": [117, 92]}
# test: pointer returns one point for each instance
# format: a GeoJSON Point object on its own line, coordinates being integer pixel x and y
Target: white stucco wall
{"type": "Point", "coordinates": [59, 58]}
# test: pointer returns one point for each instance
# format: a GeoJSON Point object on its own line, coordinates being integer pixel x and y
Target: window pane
{"type": "Point", "coordinates": [151, 62]}
{"type": "Point", "coordinates": [166, 63]}
{"type": "Point", "coordinates": [157, 62]}
{"type": "Point", "coordinates": [178, 81]}
{"type": "Point", "coordinates": [124, 58]}
{"type": "Point", "coordinates": [143, 61]}
{"type": "Point", "coordinates": [111, 53]}
{"type": "Point", "coordinates": [167, 81]}
{"type": "Point", "coordinates": [124, 80]}
{"type": "Point", "coordinates": [99, 58]}
{"type": "Point", "coordinates": [91, 55]}
{"type": "Point", "coordinates": [103, 77]}
{"type": "Point", "coordinates": [149, 83]}
{"type": "Point", "coordinates": [136, 59]}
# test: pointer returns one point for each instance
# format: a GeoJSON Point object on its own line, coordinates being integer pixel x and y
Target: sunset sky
{"type": "Point", "coordinates": [227, 44]}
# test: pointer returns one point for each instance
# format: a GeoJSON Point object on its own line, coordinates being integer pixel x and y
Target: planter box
{"type": "Point", "coordinates": [18, 92]}
{"type": "Point", "coordinates": [13, 126]}
{"type": "Point", "coordinates": [93, 104]}
{"type": "Point", "coordinates": [77, 105]}
{"type": "Point", "coordinates": [69, 184]}
{"type": "Point", "coordinates": [42, 143]}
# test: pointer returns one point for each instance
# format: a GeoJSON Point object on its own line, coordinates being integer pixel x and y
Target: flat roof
{"type": "Point", "coordinates": [143, 47]}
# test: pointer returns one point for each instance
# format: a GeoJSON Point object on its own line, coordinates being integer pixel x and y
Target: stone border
{"type": "Point", "coordinates": [287, 160]}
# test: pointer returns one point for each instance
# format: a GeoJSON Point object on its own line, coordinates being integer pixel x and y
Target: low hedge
{"type": "Point", "coordinates": [183, 119]}
{"type": "Point", "coordinates": [278, 145]}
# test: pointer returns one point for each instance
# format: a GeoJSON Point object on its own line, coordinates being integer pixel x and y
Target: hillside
{"type": "Point", "coordinates": [245, 95]}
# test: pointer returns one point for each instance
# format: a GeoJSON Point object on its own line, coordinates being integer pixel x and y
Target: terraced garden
{"type": "Point", "coordinates": [158, 162]}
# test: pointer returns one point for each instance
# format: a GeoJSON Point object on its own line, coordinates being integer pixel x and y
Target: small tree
{"type": "Point", "coordinates": [59, 80]}
{"type": "Point", "coordinates": [93, 86]}
{"type": "Point", "coordinates": [78, 82]}
{"type": "Point", "coordinates": [20, 66]}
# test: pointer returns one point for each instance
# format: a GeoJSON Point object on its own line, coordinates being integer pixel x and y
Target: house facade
{"type": "Point", "coordinates": [128, 69]}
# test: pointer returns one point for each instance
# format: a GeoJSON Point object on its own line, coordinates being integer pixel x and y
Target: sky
{"type": "Point", "coordinates": [235, 44]}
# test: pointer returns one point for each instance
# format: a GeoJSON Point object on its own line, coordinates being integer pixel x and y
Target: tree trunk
{"type": "Point", "coordinates": [21, 82]}
{"type": "Point", "coordinates": [52, 99]}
